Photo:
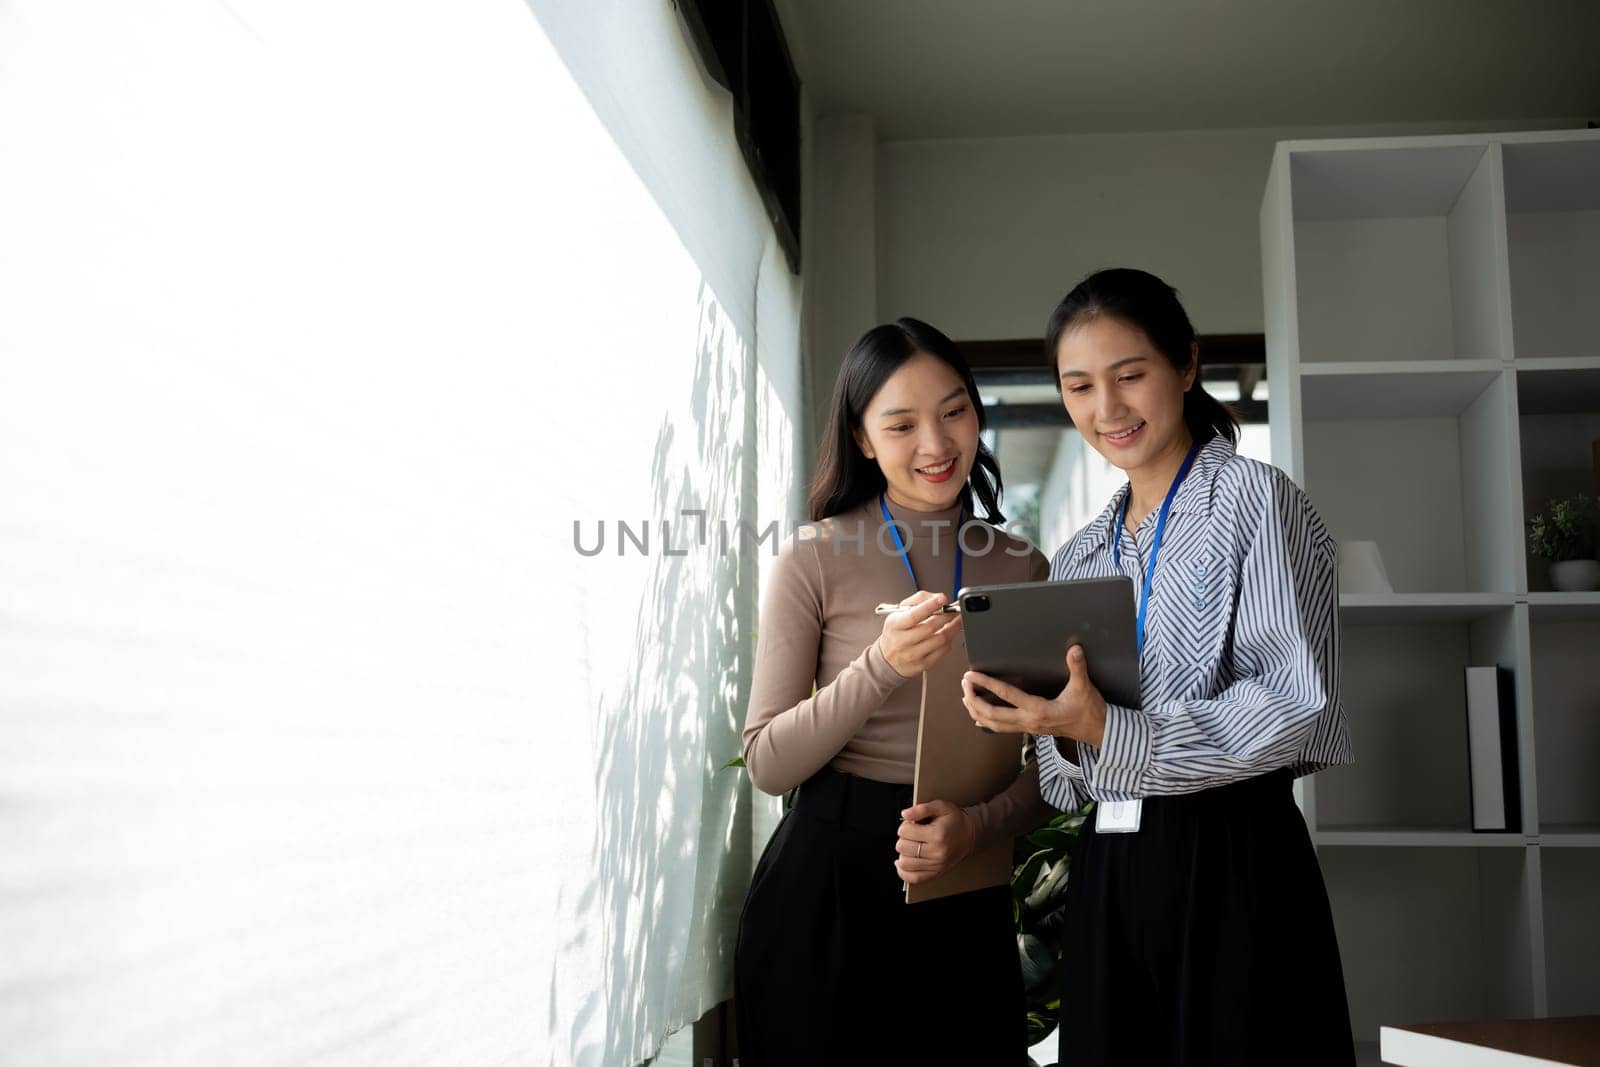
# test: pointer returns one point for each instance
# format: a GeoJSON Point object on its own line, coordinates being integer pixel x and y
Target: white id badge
{"type": "Point", "coordinates": [1117, 816]}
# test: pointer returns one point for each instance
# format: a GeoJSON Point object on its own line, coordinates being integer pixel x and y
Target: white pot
{"type": "Point", "coordinates": [1361, 568]}
{"type": "Point", "coordinates": [1575, 575]}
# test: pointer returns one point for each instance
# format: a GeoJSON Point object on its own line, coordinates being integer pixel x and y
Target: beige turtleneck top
{"type": "Point", "coordinates": [818, 627]}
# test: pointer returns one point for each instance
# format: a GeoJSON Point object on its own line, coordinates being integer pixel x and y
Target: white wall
{"type": "Point", "coordinates": [983, 237]}
{"type": "Point", "coordinates": [306, 380]}
{"type": "Point", "coordinates": [840, 251]}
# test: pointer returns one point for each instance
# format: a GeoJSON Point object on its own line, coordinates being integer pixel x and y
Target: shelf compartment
{"type": "Point", "coordinates": [1558, 386]}
{"type": "Point", "coordinates": [1566, 720]}
{"type": "Point", "coordinates": [1399, 389]}
{"type": "Point", "coordinates": [1559, 428]}
{"type": "Point", "coordinates": [1572, 930]}
{"type": "Point", "coordinates": [1434, 490]}
{"type": "Point", "coordinates": [1394, 253]}
{"type": "Point", "coordinates": [1564, 607]}
{"type": "Point", "coordinates": [1427, 934]}
{"type": "Point", "coordinates": [1404, 691]}
{"type": "Point", "coordinates": [1380, 608]}
{"type": "Point", "coordinates": [1553, 244]}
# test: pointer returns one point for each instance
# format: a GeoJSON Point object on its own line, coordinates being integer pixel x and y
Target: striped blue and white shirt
{"type": "Point", "coordinates": [1239, 674]}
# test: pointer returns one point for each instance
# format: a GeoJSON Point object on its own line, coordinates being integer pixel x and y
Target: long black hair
{"type": "Point", "coordinates": [845, 476]}
{"type": "Point", "coordinates": [1139, 299]}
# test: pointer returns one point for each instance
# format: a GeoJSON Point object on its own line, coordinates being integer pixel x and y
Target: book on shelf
{"type": "Point", "coordinates": [1492, 750]}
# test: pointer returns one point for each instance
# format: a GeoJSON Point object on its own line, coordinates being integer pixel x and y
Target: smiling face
{"type": "Point", "coordinates": [922, 430]}
{"type": "Point", "coordinates": [1122, 394]}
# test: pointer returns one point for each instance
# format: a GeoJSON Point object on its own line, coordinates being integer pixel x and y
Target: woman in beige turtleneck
{"type": "Point", "coordinates": [832, 965]}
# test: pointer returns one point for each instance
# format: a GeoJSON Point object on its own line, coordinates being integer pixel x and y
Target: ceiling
{"type": "Point", "coordinates": [956, 68]}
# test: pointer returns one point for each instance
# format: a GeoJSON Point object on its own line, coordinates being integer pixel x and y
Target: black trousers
{"type": "Point", "coordinates": [1204, 938]}
{"type": "Point", "coordinates": [834, 967]}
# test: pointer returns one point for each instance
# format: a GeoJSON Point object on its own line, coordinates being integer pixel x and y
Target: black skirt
{"type": "Point", "coordinates": [1203, 938]}
{"type": "Point", "coordinates": [833, 966]}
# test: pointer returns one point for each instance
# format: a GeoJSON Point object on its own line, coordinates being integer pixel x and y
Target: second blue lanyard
{"type": "Point", "coordinates": [1155, 546]}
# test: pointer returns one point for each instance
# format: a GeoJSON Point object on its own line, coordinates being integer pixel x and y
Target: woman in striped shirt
{"type": "Point", "coordinates": [1197, 927]}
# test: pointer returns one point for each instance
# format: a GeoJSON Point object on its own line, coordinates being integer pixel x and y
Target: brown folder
{"type": "Point", "coordinates": [960, 763]}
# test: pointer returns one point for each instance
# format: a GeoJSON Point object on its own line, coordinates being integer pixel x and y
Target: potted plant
{"type": "Point", "coordinates": [1038, 899]}
{"type": "Point", "coordinates": [1566, 533]}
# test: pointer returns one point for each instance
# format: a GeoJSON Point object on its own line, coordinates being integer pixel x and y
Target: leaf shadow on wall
{"type": "Point", "coordinates": [672, 848]}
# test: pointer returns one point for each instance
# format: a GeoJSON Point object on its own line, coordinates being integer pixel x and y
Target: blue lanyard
{"type": "Point", "coordinates": [1155, 547]}
{"type": "Point", "coordinates": [905, 557]}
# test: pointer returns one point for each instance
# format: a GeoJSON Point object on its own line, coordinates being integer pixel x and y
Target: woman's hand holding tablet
{"type": "Point", "coordinates": [1077, 712]}
{"type": "Point", "coordinates": [1028, 644]}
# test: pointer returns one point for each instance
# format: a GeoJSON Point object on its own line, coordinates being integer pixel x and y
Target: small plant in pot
{"type": "Point", "coordinates": [1567, 533]}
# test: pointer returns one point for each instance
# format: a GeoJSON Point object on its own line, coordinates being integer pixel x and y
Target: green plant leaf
{"type": "Point", "coordinates": [1040, 865]}
{"type": "Point", "coordinates": [1567, 529]}
{"type": "Point", "coordinates": [1050, 893]}
{"type": "Point", "coordinates": [737, 761]}
{"type": "Point", "coordinates": [1038, 961]}
{"type": "Point", "coordinates": [1047, 998]}
{"type": "Point", "coordinates": [1025, 877]}
{"type": "Point", "coordinates": [1049, 925]}
{"type": "Point", "coordinates": [1053, 838]}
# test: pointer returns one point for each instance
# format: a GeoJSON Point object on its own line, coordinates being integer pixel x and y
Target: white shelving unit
{"type": "Point", "coordinates": [1433, 353]}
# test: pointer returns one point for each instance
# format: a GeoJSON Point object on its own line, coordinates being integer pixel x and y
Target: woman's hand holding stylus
{"type": "Point", "coordinates": [933, 838]}
{"type": "Point", "coordinates": [1077, 712]}
{"type": "Point", "coordinates": [917, 637]}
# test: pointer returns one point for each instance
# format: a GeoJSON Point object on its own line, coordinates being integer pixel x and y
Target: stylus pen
{"type": "Point", "coordinates": [884, 609]}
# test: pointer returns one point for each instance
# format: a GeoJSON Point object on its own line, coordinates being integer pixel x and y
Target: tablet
{"type": "Point", "coordinates": [1020, 633]}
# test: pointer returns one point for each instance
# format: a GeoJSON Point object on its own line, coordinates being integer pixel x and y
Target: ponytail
{"type": "Point", "coordinates": [1207, 417]}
